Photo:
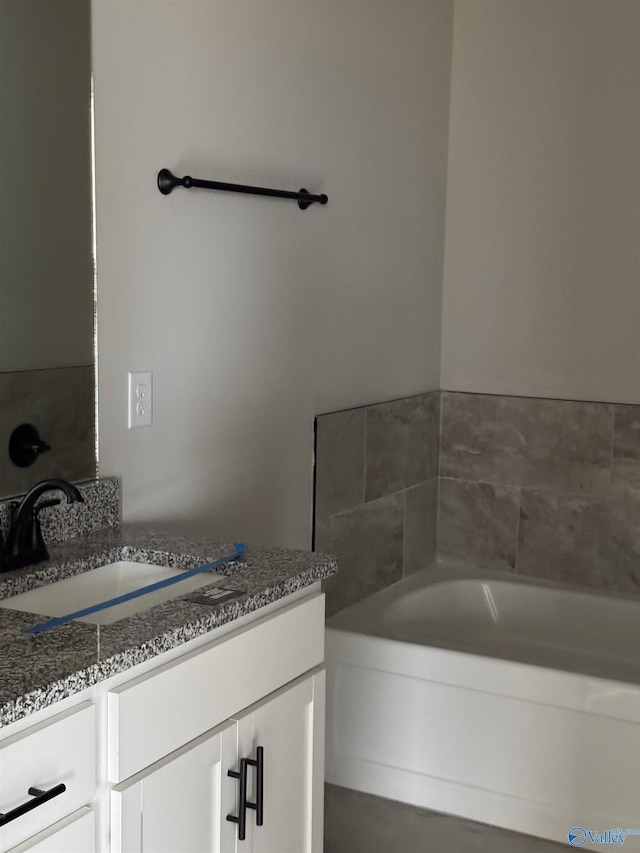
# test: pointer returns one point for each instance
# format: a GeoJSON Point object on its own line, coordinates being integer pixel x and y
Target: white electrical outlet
{"type": "Point", "coordinates": [140, 399]}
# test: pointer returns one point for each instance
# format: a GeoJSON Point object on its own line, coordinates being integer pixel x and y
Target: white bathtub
{"type": "Point", "coordinates": [509, 702]}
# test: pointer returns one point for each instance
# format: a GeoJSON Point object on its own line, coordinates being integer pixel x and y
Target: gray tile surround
{"type": "Point", "coordinates": [420, 522]}
{"type": "Point", "coordinates": [340, 441]}
{"type": "Point", "coordinates": [478, 524]}
{"type": "Point", "coordinates": [559, 445]}
{"type": "Point", "coordinates": [60, 403]}
{"type": "Point", "coordinates": [574, 468]}
{"type": "Point", "coordinates": [376, 493]}
{"type": "Point", "coordinates": [559, 537]}
{"type": "Point", "coordinates": [368, 543]}
{"type": "Point", "coordinates": [402, 444]}
{"type": "Point", "coordinates": [547, 488]}
{"type": "Point", "coordinates": [574, 540]}
{"type": "Point", "coordinates": [626, 447]}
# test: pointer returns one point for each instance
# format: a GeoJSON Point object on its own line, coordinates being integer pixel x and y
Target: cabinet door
{"type": "Point", "coordinates": [288, 725]}
{"type": "Point", "coordinates": [74, 834]}
{"type": "Point", "coordinates": [179, 803]}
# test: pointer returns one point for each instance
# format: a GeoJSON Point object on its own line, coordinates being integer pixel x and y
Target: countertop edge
{"type": "Point", "coordinates": [270, 575]}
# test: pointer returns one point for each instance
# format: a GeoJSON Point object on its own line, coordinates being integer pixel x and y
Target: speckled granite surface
{"type": "Point", "coordinates": [101, 508]}
{"type": "Point", "coordinates": [36, 671]}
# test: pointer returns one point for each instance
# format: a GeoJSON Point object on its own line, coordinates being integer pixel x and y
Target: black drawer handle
{"type": "Point", "coordinates": [39, 797]}
{"type": "Point", "coordinates": [241, 818]}
{"type": "Point", "coordinates": [244, 804]}
{"type": "Point", "coordinates": [258, 763]}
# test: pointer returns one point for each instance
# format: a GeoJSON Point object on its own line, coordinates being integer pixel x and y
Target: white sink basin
{"type": "Point", "coordinates": [89, 588]}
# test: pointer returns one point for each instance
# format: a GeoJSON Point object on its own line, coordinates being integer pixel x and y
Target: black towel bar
{"type": "Point", "coordinates": [167, 182]}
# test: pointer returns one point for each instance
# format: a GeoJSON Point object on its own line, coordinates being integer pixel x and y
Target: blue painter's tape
{"type": "Point", "coordinates": [240, 547]}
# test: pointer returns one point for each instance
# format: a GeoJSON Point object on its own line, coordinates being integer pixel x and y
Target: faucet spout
{"type": "Point", "coordinates": [25, 544]}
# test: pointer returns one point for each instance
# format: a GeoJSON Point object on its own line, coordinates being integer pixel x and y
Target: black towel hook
{"type": "Point", "coordinates": [168, 182]}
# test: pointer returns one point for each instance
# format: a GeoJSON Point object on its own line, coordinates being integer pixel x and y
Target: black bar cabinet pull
{"type": "Point", "coordinates": [39, 797]}
{"type": "Point", "coordinates": [168, 182]}
{"type": "Point", "coordinates": [241, 818]}
{"type": "Point", "coordinates": [244, 804]}
{"type": "Point", "coordinates": [258, 763]}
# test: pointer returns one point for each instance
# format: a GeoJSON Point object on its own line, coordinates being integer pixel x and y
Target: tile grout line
{"type": "Point", "coordinates": [588, 495]}
{"type": "Point", "coordinates": [364, 459]}
{"type": "Point", "coordinates": [441, 394]}
{"type": "Point", "coordinates": [404, 533]}
{"type": "Point", "coordinates": [613, 446]}
{"type": "Point", "coordinates": [519, 521]}
{"type": "Point", "coordinates": [377, 500]}
{"type": "Point", "coordinates": [387, 495]}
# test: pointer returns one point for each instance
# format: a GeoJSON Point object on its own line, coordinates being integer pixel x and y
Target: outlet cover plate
{"type": "Point", "coordinates": [140, 398]}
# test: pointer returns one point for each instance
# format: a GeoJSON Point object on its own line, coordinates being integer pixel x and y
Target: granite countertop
{"type": "Point", "coordinates": [37, 671]}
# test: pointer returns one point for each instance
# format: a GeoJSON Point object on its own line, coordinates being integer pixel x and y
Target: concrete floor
{"type": "Point", "coordinates": [361, 823]}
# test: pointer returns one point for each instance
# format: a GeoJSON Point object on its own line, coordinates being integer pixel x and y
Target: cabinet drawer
{"type": "Point", "coordinates": [74, 834]}
{"type": "Point", "coordinates": [159, 712]}
{"type": "Point", "coordinates": [59, 751]}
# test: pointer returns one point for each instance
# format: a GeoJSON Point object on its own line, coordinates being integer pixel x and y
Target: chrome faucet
{"type": "Point", "coordinates": [25, 544]}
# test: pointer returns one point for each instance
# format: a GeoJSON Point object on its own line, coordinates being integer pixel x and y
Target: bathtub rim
{"type": "Point", "coordinates": [359, 619]}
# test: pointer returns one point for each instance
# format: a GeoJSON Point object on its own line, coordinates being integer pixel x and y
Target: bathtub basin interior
{"type": "Point", "coordinates": [517, 619]}
{"type": "Point", "coordinates": [97, 585]}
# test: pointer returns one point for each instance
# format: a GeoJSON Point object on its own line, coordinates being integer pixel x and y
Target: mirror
{"type": "Point", "coordinates": [46, 247]}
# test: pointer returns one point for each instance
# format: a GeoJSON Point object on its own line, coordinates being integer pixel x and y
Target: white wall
{"type": "Point", "coordinates": [542, 269]}
{"type": "Point", "coordinates": [252, 315]}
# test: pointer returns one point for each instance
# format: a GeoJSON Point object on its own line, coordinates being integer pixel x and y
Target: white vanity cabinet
{"type": "Point", "coordinates": [183, 801]}
{"type": "Point", "coordinates": [288, 727]}
{"type": "Point", "coordinates": [74, 834]}
{"type": "Point", "coordinates": [251, 705]}
{"type": "Point", "coordinates": [179, 802]}
{"type": "Point", "coordinates": [47, 772]}
{"type": "Point", "coordinates": [153, 760]}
